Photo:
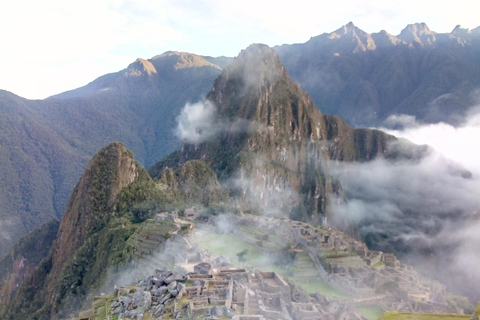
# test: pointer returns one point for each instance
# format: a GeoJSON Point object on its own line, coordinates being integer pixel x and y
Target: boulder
{"type": "Point", "coordinates": [165, 298]}
{"type": "Point", "coordinates": [216, 311]}
{"type": "Point", "coordinates": [157, 282]}
{"type": "Point", "coordinates": [159, 291]}
{"type": "Point", "coordinates": [172, 286]}
{"type": "Point", "coordinates": [180, 287]}
{"type": "Point", "coordinates": [158, 312]}
{"type": "Point", "coordinates": [221, 261]}
{"type": "Point", "coordinates": [228, 312]}
{"type": "Point", "coordinates": [203, 268]}
{"type": "Point", "coordinates": [175, 277]}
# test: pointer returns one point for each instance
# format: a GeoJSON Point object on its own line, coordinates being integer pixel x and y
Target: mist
{"type": "Point", "coordinates": [200, 122]}
{"type": "Point", "coordinates": [426, 212]}
{"type": "Point", "coordinates": [197, 122]}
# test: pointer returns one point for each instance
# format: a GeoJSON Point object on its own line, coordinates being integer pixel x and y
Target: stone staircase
{"type": "Point", "coordinates": [253, 307]}
{"type": "Point", "coordinates": [157, 246]}
{"type": "Point", "coordinates": [303, 266]}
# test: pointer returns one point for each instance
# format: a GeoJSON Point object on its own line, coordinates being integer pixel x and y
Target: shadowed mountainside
{"type": "Point", "coordinates": [276, 143]}
{"type": "Point", "coordinates": [106, 207]}
{"type": "Point", "coordinates": [46, 144]}
{"type": "Point", "coordinates": [364, 78]}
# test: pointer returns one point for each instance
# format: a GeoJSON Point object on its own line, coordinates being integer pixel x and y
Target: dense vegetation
{"type": "Point", "coordinates": [101, 217]}
{"type": "Point", "coordinates": [46, 144]}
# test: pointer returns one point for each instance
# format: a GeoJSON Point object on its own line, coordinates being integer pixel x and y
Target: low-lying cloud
{"type": "Point", "coordinates": [460, 144]}
{"type": "Point", "coordinates": [423, 210]}
{"type": "Point", "coordinates": [200, 122]}
{"type": "Point", "coordinates": [197, 122]}
{"type": "Point", "coordinates": [262, 190]}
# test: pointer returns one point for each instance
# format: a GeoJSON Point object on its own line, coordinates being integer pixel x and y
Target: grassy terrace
{"type": "Point", "coordinates": [228, 245]}
{"type": "Point", "coordinates": [371, 313]}
{"type": "Point", "coordinates": [422, 316]}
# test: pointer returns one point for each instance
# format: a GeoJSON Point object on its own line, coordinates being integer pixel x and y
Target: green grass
{"type": "Point", "coordinates": [378, 264]}
{"type": "Point", "coordinates": [274, 268]}
{"type": "Point", "coordinates": [229, 245]}
{"type": "Point", "coordinates": [101, 313]}
{"type": "Point", "coordinates": [303, 257]}
{"type": "Point", "coordinates": [422, 316]}
{"type": "Point", "coordinates": [313, 284]}
{"type": "Point", "coordinates": [371, 313]}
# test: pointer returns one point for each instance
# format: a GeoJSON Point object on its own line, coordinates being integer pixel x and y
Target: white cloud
{"type": "Point", "coordinates": [197, 122]}
{"type": "Point", "coordinates": [422, 207]}
{"type": "Point", "coordinates": [460, 144]}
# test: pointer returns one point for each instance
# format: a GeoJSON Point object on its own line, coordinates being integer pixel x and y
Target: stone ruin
{"type": "Point", "coordinates": [232, 293]}
{"type": "Point", "coordinates": [214, 287]}
{"type": "Point", "coordinates": [370, 277]}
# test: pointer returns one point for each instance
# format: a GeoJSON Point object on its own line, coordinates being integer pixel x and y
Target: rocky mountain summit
{"type": "Point", "coordinates": [277, 143]}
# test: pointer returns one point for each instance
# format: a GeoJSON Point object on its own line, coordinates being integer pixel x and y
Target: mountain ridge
{"type": "Point", "coordinates": [46, 144]}
{"type": "Point", "coordinates": [366, 78]}
{"type": "Point", "coordinates": [433, 82]}
{"type": "Point", "coordinates": [283, 140]}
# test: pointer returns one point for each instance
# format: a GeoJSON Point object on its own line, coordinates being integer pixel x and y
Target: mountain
{"type": "Point", "coordinates": [46, 144]}
{"type": "Point", "coordinates": [27, 254]}
{"type": "Point", "coordinates": [272, 151]}
{"type": "Point", "coordinates": [275, 142]}
{"type": "Point", "coordinates": [364, 78]}
{"type": "Point", "coordinates": [108, 204]}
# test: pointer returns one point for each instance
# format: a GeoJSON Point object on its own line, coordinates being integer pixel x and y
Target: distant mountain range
{"type": "Point", "coordinates": [46, 144]}
{"type": "Point", "coordinates": [364, 78]}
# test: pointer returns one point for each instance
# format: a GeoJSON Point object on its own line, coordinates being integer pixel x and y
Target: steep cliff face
{"type": "Point", "coordinates": [274, 149]}
{"type": "Point", "coordinates": [24, 257]}
{"type": "Point", "coordinates": [107, 206]}
{"type": "Point", "coordinates": [112, 169]}
{"type": "Point", "coordinates": [90, 236]}
{"type": "Point", "coordinates": [194, 182]}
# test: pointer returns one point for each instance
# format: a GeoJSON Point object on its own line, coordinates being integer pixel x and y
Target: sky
{"type": "Point", "coordinates": [52, 46]}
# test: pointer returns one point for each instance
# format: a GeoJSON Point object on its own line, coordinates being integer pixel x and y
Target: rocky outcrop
{"type": "Point", "coordinates": [86, 239]}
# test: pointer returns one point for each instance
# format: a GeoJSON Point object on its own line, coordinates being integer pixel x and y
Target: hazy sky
{"type": "Point", "coordinates": [51, 46]}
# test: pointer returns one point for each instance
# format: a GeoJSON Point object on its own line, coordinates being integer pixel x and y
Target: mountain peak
{"type": "Point", "coordinates": [258, 63]}
{"type": "Point", "coordinates": [256, 89]}
{"type": "Point", "coordinates": [140, 67]}
{"type": "Point", "coordinates": [109, 171]}
{"type": "Point", "coordinates": [184, 60]}
{"type": "Point", "coordinates": [256, 67]}
{"type": "Point", "coordinates": [459, 31]}
{"type": "Point", "coordinates": [418, 32]}
{"type": "Point", "coordinates": [351, 38]}
{"type": "Point", "coordinates": [349, 28]}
